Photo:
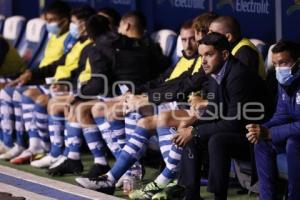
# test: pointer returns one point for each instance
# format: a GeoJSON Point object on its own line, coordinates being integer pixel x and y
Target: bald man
{"type": "Point", "coordinates": [241, 47]}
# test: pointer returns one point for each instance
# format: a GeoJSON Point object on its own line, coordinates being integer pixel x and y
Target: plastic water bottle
{"type": "Point", "coordinates": [132, 179]}
{"type": "Point", "coordinates": [127, 185]}
{"type": "Point", "coordinates": [137, 171]}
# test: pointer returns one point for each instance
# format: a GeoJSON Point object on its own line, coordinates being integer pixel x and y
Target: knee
{"type": "Point", "coordinates": [145, 122]}
{"type": "Point", "coordinates": [293, 146]}
{"type": "Point", "coordinates": [165, 119]}
{"type": "Point", "coordinates": [216, 143]}
{"type": "Point", "coordinates": [54, 108]}
{"type": "Point", "coordinates": [98, 110]}
{"type": "Point", "coordinates": [262, 147]}
{"type": "Point", "coordinates": [83, 111]}
{"type": "Point", "coordinates": [42, 100]}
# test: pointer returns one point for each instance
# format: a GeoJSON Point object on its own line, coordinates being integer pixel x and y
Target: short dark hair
{"type": "Point", "coordinates": [113, 14]}
{"type": "Point", "coordinates": [292, 47]}
{"type": "Point", "coordinates": [217, 40]}
{"type": "Point", "coordinates": [231, 25]}
{"type": "Point", "coordinates": [137, 18]}
{"type": "Point", "coordinates": [83, 13]}
{"type": "Point", "coordinates": [201, 23]}
{"type": "Point", "coordinates": [96, 26]}
{"type": "Point", "coordinates": [59, 8]}
{"type": "Point", "coordinates": [187, 25]}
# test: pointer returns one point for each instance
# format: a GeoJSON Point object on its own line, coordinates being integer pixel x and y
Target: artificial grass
{"type": "Point", "coordinates": [151, 173]}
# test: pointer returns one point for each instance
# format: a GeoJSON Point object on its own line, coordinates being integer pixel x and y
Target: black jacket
{"type": "Point", "coordinates": [4, 48]}
{"type": "Point", "coordinates": [179, 88]}
{"type": "Point", "coordinates": [120, 58]}
{"type": "Point", "coordinates": [240, 85]}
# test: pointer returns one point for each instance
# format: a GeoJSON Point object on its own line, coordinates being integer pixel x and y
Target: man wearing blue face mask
{"type": "Point", "coordinates": [57, 16]}
{"type": "Point", "coordinates": [59, 70]}
{"type": "Point", "coordinates": [281, 133]}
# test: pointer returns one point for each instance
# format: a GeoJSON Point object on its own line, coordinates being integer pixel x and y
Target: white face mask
{"type": "Point", "coordinates": [53, 28]}
{"type": "Point", "coordinates": [74, 30]}
{"type": "Point", "coordinates": [284, 75]}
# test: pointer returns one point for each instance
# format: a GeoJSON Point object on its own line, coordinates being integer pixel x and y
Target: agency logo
{"type": "Point", "coordinates": [195, 4]}
{"type": "Point", "coordinates": [246, 6]}
{"type": "Point", "coordinates": [294, 7]}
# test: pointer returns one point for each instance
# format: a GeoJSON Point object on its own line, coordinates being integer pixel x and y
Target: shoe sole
{"type": "Point", "coordinates": [109, 191]}
{"type": "Point", "coordinates": [21, 161]}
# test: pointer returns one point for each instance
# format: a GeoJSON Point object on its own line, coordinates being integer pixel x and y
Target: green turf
{"type": "Point", "coordinates": [150, 175]}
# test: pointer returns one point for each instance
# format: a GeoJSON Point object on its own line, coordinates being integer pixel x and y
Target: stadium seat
{"type": "Point", "coordinates": [177, 53]}
{"type": "Point", "coordinates": [13, 29]}
{"type": "Point", "coordinates": [268, 61]}
{"type": "Point", "coordinates": [2, 19]}
{"type": "Point", "coordinates": [33, 40]}
{"type": "Point", "coordinates": [166, 39]}
{"type": "Point", "coordinates": [261, 46]}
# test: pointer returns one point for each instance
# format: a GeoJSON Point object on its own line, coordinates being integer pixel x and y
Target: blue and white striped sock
{"type": "Point", "coordinates": [8, 118]}
{"type": "Point", "coordinates": [165, 141]}
{"type": "Point", "coordinates": [27, 111]}
{"type": "Point", "coordinates": [56, 131]}
{"type": "Point", "coordinates": [118, 131]}
{"type": "Point", "coordinates": [108, 136]}
{"type": "Point", "coordinates": [19, 123]}
{"type": "Point", "coordinates": [171, 154]}
{"type": "Point", "coordinates": [41, 118]}
{"type": "Point", "coordinates": [131, 152]}
{"type": "Point", "coordinates": [75, 137]}
{"type": "Point", "coordinates": [96, 144]}
{"type": "Point", "coordinates": [131, 120]}
{"type": "Point", "coordinates": [66, 141]}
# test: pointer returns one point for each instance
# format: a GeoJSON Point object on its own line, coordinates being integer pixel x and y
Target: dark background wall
{"type": "Point", "coordinates": [269, 20]}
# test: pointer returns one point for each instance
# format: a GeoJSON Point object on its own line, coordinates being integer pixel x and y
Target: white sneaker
{"type": "Point", "coordinates": [60, 160]}
{"type": "Point", "coordinates": [46, 161]}
{"type": "Point", "coordinates": [12, 153]}
{"type": "Point", "coordinates": [3, 148]}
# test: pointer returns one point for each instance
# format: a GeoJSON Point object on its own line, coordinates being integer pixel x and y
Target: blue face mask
{"type": "Point", "coordinates": [74, 30]}
{"type": "Point", "coordinates": [284, 75]}
{"type": "Point", "coordinates": [53, 28]}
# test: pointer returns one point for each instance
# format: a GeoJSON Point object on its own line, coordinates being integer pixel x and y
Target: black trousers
{"type": "Point", "coordinates": [221, 147]}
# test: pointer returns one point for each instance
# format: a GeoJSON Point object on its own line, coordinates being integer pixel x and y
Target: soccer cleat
{"type": "Point", "coordinates": [147, 192]}
{"type": "Point", "coordinates": [170, 192]}
{"type": "Point", "coordinates": [97, 170]}
{"type": "Point", "coordinates": [60, 160]}
{"type": "Point", "coordinates": [69, 166]}
{"type": "Point", "coordinates": [12, 153]}
{"type": "Point", "coordinates": [25, 157]}
{"type": "Point", "coordinates": [44, 162]}
{"type": "Point", "coordinates": [100, 184]}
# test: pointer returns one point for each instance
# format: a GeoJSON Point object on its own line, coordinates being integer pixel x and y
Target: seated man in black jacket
{"type": "Point", "coordinates": [114, 57]}
{"type": "Point", "coordinates": [233, 91]}
{"type": "Point", "coordinates": [241, 47]}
